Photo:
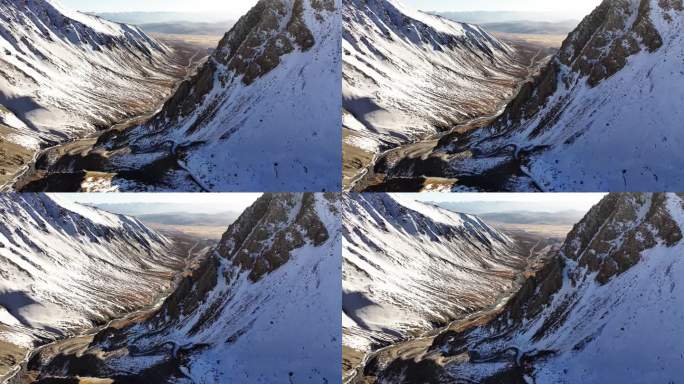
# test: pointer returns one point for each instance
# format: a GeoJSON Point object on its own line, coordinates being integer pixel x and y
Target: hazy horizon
{"type": "Point", "coordinates": [510, 202]}
{"type": "Point", "coordinates": [177, 202]}
{"type": "Point", "coordinates": [581, 7]}
{"type": "Point", "coordinates": [567, 10]}
{"type": "Point", "coordinates": [232, 9]}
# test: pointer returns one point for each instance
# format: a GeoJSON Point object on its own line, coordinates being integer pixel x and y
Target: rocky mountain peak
{"type": "Point", "coordinates": [605, 300]}
{"type": "Point", "coordinates": [260, 241]}
{"type": "Point", "coordinates": [264, 236]}
{"type": "Point", "coordinates": [255, 291]}
{"type": "Point", "coordinates": [596, 50]}
{"type": "Point", "coordinates": [251, 49]}
{"type": "Point", "coordinates": [606, 243]}
{"type": "Point", "coordinates": [616, 30]}
{"type": "Point", "coordinates": [611, 238]}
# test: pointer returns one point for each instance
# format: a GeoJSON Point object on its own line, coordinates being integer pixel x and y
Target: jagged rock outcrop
{"type": "Point", "coordinates": [612, 237]}
{"type": "Point", "coordinates": [263, 243]}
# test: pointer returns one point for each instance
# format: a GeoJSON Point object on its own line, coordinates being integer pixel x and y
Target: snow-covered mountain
{"type": "Point", "coordinates": [408, 266]}
{"type": "Point", "coordinates": [608, 308]}
{"type": "Point", "coordinates": [64, 73]}
{"type": "Point", "coordinates": [263, 308]}
{"type": "Point", "coordinates": [65, 267]}
{"type": "Point", "coordinates": [408, 74]}
{"type": "Point", "coordinates": [261, 115]}
{"type": "Point", "coordinates": [606, 113]}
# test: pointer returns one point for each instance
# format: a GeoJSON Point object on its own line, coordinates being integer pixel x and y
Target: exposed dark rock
{"type": "Point", "coordinates": [612, 236]}
{"type": "Point", "coordinates": [250, 50]}
{"type": "Point", "coordinates": [596, 50]}
{"type": "Point", "coordinates": [262, 239]}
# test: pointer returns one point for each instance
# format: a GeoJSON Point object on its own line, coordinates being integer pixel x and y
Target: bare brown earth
{"type": "Point", "coordinates": [10, 355]}
{"type": "Point", "coordinates": [549, 41]}
{"type": "Point", "coordinates": [533, 51]}
{"type": "Point", "coordinates": [12, 156]}
{"type": "Point", "coordinates": [210, 232]}
{"type": "Point", "coordinates": [80, 165]}
{"type": "Point", "coordinates": [189, 43]}
{"type": "Point", "coordinates": [547, 230]}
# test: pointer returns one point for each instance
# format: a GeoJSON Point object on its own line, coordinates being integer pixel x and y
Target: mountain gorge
{"type": "Point", "coordinates": [410, 268]}
{"type": "Point", "coordinates": [606, 307]}
{"type": "Point", "coordinates": [64, 75]}
{"type": "Point", "coordinates": [409, 75]}
{"type": "Point", "coordinates": [613, 88]}
{"type": "Point", "coordinates": [269, 289]}
{"type": "Point", "coordinates": [59, 262]}
{"type": "Point", "coordinates": [230, 126]}
{"type": "Point", "coordinates": [585, 102]}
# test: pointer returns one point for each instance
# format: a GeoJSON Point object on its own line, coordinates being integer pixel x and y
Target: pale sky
{"type": "Point", "coordinates": [205, 202]}
{"type": "Point", "coordinates": [232, 8]}
{"type": "Point", "coordinates": [544, 201]}
{"type": "Point", "coordinates": [583, 6]}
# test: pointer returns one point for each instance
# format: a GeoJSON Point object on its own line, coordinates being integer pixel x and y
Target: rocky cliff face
{"type": "Point", "coordinates": [270, 289]}
{"type": "Point", "coordinates": [613, 88]}
{"type": "Point", "coordinates": [603, 309]}
{"type": "Point", "coordinates": [263, 112]}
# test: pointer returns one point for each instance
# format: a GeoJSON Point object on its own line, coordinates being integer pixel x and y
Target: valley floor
{"type": "Point", "coordinates": [360, 368]}
{"type": "Point", "coordinates": [20, 366]}
{"type": "Point", "coordinates": [79, 165]}
{"type": "Point", "coordinates": [404, 168]}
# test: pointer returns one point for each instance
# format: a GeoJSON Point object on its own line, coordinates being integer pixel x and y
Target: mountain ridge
{"type": "Point", "coordinates": [570, 110]}
{"type": "Point", "coordinates": [277, 61]}
{"type": "Point", "coordinates": [409, 75]}
{"type": "Point", "coordinates": [59, 261]}
{"type": "Point", "coordinates": [410, 267]}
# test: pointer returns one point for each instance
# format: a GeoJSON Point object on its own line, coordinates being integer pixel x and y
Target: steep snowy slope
{"type": "Point", "coordinates": [64, 73]}
{"type": "Point", "coordinates": [408, 266]}
{"type": "Point", "coordinates": [607, 309]}
{"type": "Point", "coordinates": [261, 115]}
{"type": "Point", "coordinates": [59, 263]}
{"type": "Point", "coordinates": [606, 113]}
{"type": "Point", "coordinates": [263, 308]}
{"type": "Point", "coordinates": [408, 74]}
